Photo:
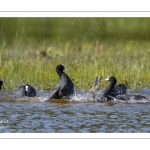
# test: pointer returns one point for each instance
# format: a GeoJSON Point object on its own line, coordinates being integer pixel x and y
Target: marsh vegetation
{"type": "Point", "coordinates": [31, 48]}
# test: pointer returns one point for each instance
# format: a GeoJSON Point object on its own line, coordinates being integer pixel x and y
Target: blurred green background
{"type": "Point", "coordinates": [74, 28]}
{"type": "Point", "coordinates": [31, 48]}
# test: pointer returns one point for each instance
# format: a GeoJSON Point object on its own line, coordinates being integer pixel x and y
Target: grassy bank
{"type": "Point", "coordinates": [34, 62]}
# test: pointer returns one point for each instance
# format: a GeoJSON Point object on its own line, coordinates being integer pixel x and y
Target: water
{"type": "Point", "coordinates": [81, 115]}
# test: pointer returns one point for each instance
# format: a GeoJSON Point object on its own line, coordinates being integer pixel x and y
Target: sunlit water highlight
{"type": "Point", "coordinates": [81, 114]}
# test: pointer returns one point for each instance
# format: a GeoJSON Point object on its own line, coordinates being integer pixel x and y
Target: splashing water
{"type": "Point", "coordinates": [79, 96]}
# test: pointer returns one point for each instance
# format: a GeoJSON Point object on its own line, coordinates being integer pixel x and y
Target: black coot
{"type": "Point", "coordinates": [103, 94]}
{"type": "Point", "coordinates": [119, 93]}
{"type": "Point", "coordinates": [118, 89]}
{"type": "Point", "coordinates": [25, 90]}
{"type": "Point", "coordinates": [65, 87]}
{"type": "Point", "coordinates": [1, 84]}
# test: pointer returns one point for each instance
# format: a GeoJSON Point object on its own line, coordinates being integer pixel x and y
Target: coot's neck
{"type": "Point", "coordinates": [59, 72]}
{"type": "Point", "coordinates": [110, 86]}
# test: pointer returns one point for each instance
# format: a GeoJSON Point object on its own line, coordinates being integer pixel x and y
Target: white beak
{"type": "Point", "coordinates": [107, 79]}
{"type": "Point", "coordinates": [64, 67]}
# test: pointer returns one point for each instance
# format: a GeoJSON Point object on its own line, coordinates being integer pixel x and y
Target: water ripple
{"type": "Point", "coordinates": [80, 115]}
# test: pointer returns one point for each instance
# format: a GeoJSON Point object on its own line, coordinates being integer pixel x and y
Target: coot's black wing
{"type": "Point", "coordinates": [55, 93]}
{"type": "Point", "coordinates": [100, 95]}
{"type": "Point", "coordinates": [97, 81]}
{"type": "Point", "coordinates": [95, 84]}
{"type": "Point", "coordinates": [20, 91]}
{"type": "Point", "coordinates": [119, 89]}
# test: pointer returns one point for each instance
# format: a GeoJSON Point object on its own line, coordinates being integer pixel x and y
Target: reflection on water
{"type": "Point", "coordinates": [81, 115]}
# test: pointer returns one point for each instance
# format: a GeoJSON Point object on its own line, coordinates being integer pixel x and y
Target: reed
{"type": "Point", "coordinates": [34, 63]}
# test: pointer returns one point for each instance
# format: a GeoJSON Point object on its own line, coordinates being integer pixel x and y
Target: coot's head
{"type": "Point", "coordinates": [60, 68]}
{"type": "Point", "coordinates": [25, 90]}
{"type": "Point", "coordinates": [111, 79]}
{"type": "Point", "coordinates": [1, 83]}
{"type": "Point", "coordinates": [29, 90]}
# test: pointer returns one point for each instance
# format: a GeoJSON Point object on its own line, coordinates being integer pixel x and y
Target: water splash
{"type": "Point", "coordinates": [82, 96]}
{"type": "Point", "coordinates": [79, 96]}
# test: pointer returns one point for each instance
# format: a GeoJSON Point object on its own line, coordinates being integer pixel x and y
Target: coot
{"type": "Point", "coordinates": [103, 94]}
{"type": "Point", "coordinates": [118, 89]}
{"type": "Point", "coordinates": [65, 87]}
{"type": "Point", "coordinates": [25, 90]}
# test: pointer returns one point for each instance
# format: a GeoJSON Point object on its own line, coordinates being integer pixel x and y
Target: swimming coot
{"type": "Point", "coordinates": [102, 95]}
{"type": "Point", "coordinates": [118, 89]}
{"type": "Point", "coordinates": [116, 92]}
{"type": "Point", "coordinates": [119, 93]}
{"type": "Point", "coordinates": [1, 84]}
{"type": "Point", "coordinates": [65, 87]}
{"type": "Point", "coordinates": [25, 90]}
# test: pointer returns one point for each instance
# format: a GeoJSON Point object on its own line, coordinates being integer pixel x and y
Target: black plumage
{"type": "Point", "coordinates": [65, 87]}
{"type": "Point", "coordinates": [118, 89]}
{"type": "Point", "coordinates": [119, 93]}
{"type": "Point", "coordinates": [103, 94]}
{"type": "Point", "coordinates": [1, 84]}
{"type": "Point", "coordinates": [25, 90]}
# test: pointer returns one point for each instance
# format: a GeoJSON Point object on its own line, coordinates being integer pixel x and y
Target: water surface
{"type": "Point", "coordinates": [80, 115]}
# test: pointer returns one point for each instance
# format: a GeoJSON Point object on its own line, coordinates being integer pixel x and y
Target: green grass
{"type": "Point", "coordinates": [34, 62]}
{"type": "Point", "coordinates": [31, 48]}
